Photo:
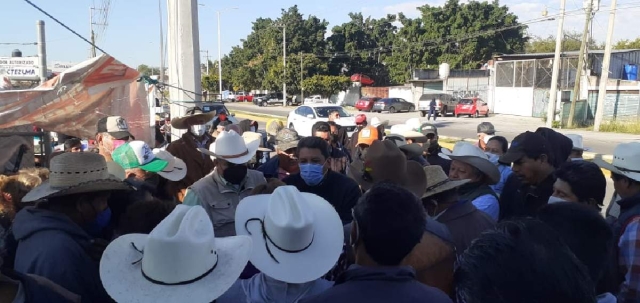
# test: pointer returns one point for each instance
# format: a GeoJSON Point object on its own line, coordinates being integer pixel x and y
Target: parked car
{"type": "Point", "coordinates": [393, 105]}
{"type": "Point", "coordinates": [315, 99]}
{"type": "Point", "coordinates": [445, 104]}
{"type": "Point", "coordinates": [366, 103]}
{"type": "Point", "coordinates": [275, 98]}
{"type": "Point", "coordinates": [473, 107]}
{"type": "Point", "coordinates": [302, 118]}
{"type": "Point", "coordinates": [244, 97]}
{"type": "Point", "coordinates": [257, 98]}
{"type": "Point", "coordinates": [218, 107]}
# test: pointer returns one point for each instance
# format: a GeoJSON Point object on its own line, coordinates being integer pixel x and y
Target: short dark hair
{"type": "Point", "coordinates": [70, 143]}
{"type": "Point", "coordinates": [314, 143]}
{"type": "Point", "coordinates": [390, 222]}
{"type": "Point", "coordinates": [522, 261]}
{"type": "Point", "coordinates": [142, 217]}
{"type": "Point", "coordinates": [321, 126]}
{"type": "Point", "coordinates": [585, 179]}
{"type": "Point", "coordinates": [504, 144]}
{"type": "Point", "coordinates": [585, 231]}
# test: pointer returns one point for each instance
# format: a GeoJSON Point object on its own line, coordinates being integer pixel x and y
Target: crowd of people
{"type": "Point", "coordinates": [228, 213]}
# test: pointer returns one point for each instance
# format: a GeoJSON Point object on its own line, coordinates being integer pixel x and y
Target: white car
{"type": "Point", "coordinates": [315, 99]}
{"type": "Point", "coordinates": [302, 118]}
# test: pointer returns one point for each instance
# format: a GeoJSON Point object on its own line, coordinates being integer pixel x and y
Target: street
{"type": "Point", "coordinates": [464, 127]}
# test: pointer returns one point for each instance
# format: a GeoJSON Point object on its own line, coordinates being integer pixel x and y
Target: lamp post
{"type": "Point", "coordinates": [220, 46]}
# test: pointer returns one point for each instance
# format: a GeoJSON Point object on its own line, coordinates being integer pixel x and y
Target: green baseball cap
{"type": "Point", "coordinates": [137, 154]}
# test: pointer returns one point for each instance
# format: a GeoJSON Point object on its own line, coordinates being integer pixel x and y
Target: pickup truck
{"type": "Point", "coordinates": [445, 104]}
{"type": "Point", "coordinates": [243, 97]}
{"type": "Point", "coordinates": [315, 99]}
{"type": "Point", "coordinates": [275, 98]}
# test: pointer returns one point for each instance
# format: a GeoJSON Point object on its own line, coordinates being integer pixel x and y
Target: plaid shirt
{"type": "Point", "coordinates": [629, 262]}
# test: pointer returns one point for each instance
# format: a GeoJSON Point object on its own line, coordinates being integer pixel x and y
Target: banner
{"type": "Point", "coordinates": [20, 68]}
{"type": "Point", "coordinates": [73, 102]}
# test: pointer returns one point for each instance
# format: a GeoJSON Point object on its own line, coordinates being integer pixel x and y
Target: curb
{"type": "Point", "coordinates": [589, 156]}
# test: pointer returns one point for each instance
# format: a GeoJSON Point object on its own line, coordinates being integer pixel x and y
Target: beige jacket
{"type": "Point", "coordinates": [220, 200]}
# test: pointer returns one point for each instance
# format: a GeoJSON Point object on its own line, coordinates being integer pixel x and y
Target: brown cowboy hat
{"type": "Point", "coordinates": [438, 181]}
{"type": "Point", "coordinates": [193, 116]}
{"type": "Point", "coordinates": [384, 161]}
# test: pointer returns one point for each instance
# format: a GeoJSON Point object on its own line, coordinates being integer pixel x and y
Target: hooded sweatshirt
{"type": "Point", "coordinates": [264, 289]}
{"type": "Point", "coordinates": [54, 247]}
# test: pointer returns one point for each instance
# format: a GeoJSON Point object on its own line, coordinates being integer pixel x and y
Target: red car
{"type": "Point", "coordinates": [366, 103]}
{"type": "Point", "coordinates": [471, 106]}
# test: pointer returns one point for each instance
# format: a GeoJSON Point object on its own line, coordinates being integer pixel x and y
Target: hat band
{"type": "Point", "coordinates": [176, 283]}
{"type": "Point", "coordinates": [266, 237]}
{"type": "Point", "coordinates": [432, 187]}
{"type": "Point", "coordinates": [626, 170]}
{"type": "Point", "coordinates": [234, 156]}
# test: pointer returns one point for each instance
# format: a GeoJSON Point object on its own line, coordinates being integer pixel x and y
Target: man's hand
{"type": "Point", "coordinates": [338, 165]}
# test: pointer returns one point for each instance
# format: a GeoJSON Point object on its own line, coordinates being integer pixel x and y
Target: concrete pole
{"type": "Point", "coordinates": [183, 57]}
{"type": "Point", "coordinates": [581, 59]}
{"type": "Point", "coordinates": [553, 94]}
{"type": "Point", "coordinates": [92, 52]}
{"type": "Point", "coordinates": [161, 43]}
{"type": "Point", "coordinates": [42, 51]}
{"type": "Point", "coordinates": [219, 58]}
{"type": "Point", "coordinates": [604, 74]}
{"type": "Point", "coordinates": [301, 78]}
{"type": "Point", "coordinates": [284, 62]}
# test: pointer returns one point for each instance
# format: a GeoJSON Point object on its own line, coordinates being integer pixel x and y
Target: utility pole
{"type": "Point", "coordinates": [604, 74]}
{"type": "Point", "coordinates": [301, 78]}
{"type": "Point", "coordinates": [183, 56]}
{"type": "Point", "coordinates": [219, 58]}
{"type": "Point", "coordinates": [207, 61]}
{"type": "Point", "coordinates": [92, 51]}
{"type": "Point", "coordinates": [42, 51]}
{"type": "Point", "coordinates": [284, 62]}
{"type": "Point", "coordinates": [553, 94]}
{"type": "Point", "coordinates": [161, 43]}
{"type": "Point", "coordinates": [581, 59]}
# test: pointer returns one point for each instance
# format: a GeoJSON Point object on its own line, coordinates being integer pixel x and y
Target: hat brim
{"type": "Point", "coordinates": [511, 156]}
{"type": "Point", "coordinates": [484, 165]}
{"type": "Point", "coordinates": [385, 123]}
{"type": "Point", "coordinates": [445, 187]}
{"type": "Point", "coordinates": [120, 135]}
{"type": "Point", "coordinates": [155, 165]}
{"type": "Point", "coordinates": [413, 149]}
{"type": "Point", "coordinates": [301, 267]}
{"type": "Point", "coordinates": [252, 148]}
{"type": "Point", "coordinates": [45, 190]}
{"type": "Point", "coordinates": [122, 276]}
{"type": "Point", "coordinates": [178, 172]}
{"type": "Point", "coordinates": [182, 122]}
{"type": "Point", "coordinates": [287, 145]}
{"type": "Point", "coordinates": [613, 169]}
{"type": "Point", "coordinates": [415, 184]}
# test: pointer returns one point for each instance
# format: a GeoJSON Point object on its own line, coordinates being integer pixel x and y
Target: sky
{"type": "Point", "coordinates": [132, 35]}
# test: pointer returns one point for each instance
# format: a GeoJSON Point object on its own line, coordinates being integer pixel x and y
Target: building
{"type": "Point", "coordinates": [459, 84]}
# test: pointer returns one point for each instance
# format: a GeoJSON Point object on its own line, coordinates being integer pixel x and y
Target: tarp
{"type": "Point", "coordinates": [72, 102]}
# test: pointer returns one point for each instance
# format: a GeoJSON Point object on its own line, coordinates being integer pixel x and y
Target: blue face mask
{"type": "Point", "coordinates": [311, 173]}
{"type": "Point", "coordinates": [96, 227]}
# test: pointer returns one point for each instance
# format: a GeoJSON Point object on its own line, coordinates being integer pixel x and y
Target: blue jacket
{"type": "Point", "coordinates": [54, 247]}
{"type": "Point", "coordinates": [270, 169]}
{"type": "Point", "coordinates": [264, 289]}
{"type": "Point", "coordinates": [379, 284]}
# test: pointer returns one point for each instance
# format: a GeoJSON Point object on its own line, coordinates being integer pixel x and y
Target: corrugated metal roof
{"type": "Point", "coordinates": [563, 54]}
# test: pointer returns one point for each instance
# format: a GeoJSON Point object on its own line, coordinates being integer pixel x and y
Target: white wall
{"type": "Point", "coordinates": [514, 101]}
{"type": "Point", "coordinates": [403, 92]}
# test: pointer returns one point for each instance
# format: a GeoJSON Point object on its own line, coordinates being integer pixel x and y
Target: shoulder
{"type": "Point", "coordinates": [234, 294]}
{"type": "Point", "coordinates": [256, 177]}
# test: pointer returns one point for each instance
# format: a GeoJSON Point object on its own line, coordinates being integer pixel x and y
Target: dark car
{"type": "Point", "coordinates": [366, 103]}
{"type": "Point", "coordinates": [257, 97]}
{"type": "Point", "coordinates": [275, 98]}
{"type": "Point", "coordinates": [393, 105]}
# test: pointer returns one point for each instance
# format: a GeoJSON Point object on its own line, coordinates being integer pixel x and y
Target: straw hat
{"type": "Point", "coordinates": [194, 116]}
{"type": "Point", "coordinates": [75, 173]}
{"type": "Point", "coordinates": [437, 181]}
{"type": "Point", "coordinates": [181, 260]}
{"type": "Point", "coordinates": [231, 147]}
{"type": "Point", "coordinates": [626, 160]}
{"type": "Point", "coordinates": [297, 237]}
{"type": "Point", "coordinates": [249, 136]}
{"type": "Point", "coordinates": [175, 170]}
{"type": "Point", "coordinates": [474, 156]}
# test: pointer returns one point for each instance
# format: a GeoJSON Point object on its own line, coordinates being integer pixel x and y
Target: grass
{"type": "Point", "coordinates": [627, 127]}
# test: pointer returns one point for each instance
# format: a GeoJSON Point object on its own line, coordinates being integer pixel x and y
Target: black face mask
{"type": "Point", "coordinates": [432, 146]}
{"type": "Point", "coordinates": [235, 174]}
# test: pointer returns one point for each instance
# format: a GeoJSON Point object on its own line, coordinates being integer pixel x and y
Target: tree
{"type": "Point", "coordinates": [628, 44]}
{"type": "Point", "coordinates": [325, 85]}
{"type": "Point", "coordinates": [571, 42]}
{"type": "Point", "coordinates": [144, 69]}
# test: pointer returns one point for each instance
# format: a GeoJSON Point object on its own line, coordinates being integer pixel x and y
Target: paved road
{"type": "Point", "coordinates": [464, 127]}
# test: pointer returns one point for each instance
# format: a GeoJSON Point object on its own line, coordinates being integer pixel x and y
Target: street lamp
{"type": "Point", "coordinates": [284, 61]}
{"type": "Point", "coordinates": [220, 46]}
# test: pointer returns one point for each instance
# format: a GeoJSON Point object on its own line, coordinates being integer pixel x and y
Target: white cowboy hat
{"type": "Point", "coordinates": [474, 156]}
{"type": "Point", "coordinates": [175, 170]}
{"type": "Point", "coordinates": [250, 136]}
{"type": "Point", "coordinates": [399, 129]}
{"type": "Point", "coordinates": [375, 122]}
{"type": "Point", "coordinates": [297, 237]}
{"type": "Point", "coordinates": [75, 173]}
{"type": "Point", "coordinates": [231, 147]}
{"type": "Point", "coordinates": [181, 260]}
{"type": "Point", "coordinates": [626, 160]}
{"type": "Point", "coordinates": [438, 182]}
{"type": "Point", "coordinates": [194, 116]}
{"type": "Point", "coordinates": [577, 142]}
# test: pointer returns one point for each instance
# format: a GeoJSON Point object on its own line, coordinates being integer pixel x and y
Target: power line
{"type": "Point", "coordinates": [65, 26]}
{"type": "Point", "coordinates": [18, 43]}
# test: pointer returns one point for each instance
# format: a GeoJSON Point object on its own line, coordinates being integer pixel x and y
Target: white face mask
{"type": "Point", "coordinates": [553, 200]}
{"type": "Point", "coordinates": [198, 130]}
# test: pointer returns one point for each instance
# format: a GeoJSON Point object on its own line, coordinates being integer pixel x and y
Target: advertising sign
{"type": "Point", "coordinates": [19, 68]}
{"type": "Point", "coordinates": [59, 66]}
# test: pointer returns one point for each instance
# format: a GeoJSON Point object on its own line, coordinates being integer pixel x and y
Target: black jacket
{"type": "Point", "coordinates": [339, 190]}
{"type": "Point", "coordinates": [522, 200]}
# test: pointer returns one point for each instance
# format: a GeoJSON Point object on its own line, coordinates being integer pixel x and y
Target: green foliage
{"type": "Point", "coordinates": [628, 44]}
{"type": "Point", "coordinates": [325, 85]}
{"type": "Point", "coordinates": [571, 42]}
{"type": "Point", "coordinates": [145, 70]}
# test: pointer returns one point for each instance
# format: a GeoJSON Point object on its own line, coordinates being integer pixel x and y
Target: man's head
{"type": "Point", "coordinates": [138, 161]}
{"type": "Point", "coordinates": [313, 159]}
{"type": "Point", "coordinates": [334, 115]}
{"type": "Point", "coordinates": [485, 129]}
{"type": "Point", "coordinates": [73, 145]}
{"type": "Point", "coordinates": [531, 158]}
{"type": "Point", "coordinates": [366, 137]}
{"type": "Point", "coordinates": [580, 182]}
{"type": "Point", "coordinates": [578, 148]}
{"type": "Point", "coordinates": [361, 121]}
{"type": "Point", "coordinates": [585, 231]}
{"type": "Point", "coordinates": [625, 169]}
{"type": "Point", "coordinates": [286, 147]}
{"type": "Point", "coordinates": [388, 222]}
{"type": "Point", "coordinates": [89, 210]}
{"type": "Point", "coordinates": [113, 131]}
{"type": "Point", "coordinates": [522, 261]}
{"type": "Point", "coordinates": [323, 130]}
{"type": "Point", "coordinates": [334, 128]}
{"type": "Point", "coordinates": [431, 133]}
{"type": "Point", "coordinates": [497, 145]}
{"type": "Point", "coordinates": [222, 126]}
